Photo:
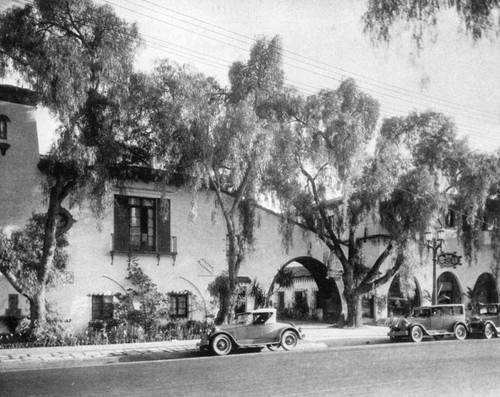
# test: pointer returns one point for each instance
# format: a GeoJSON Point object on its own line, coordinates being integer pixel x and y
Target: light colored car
{"type": "Point", "coordinates": [436, 321]}
{"type": "Point", "coordinates": [486, 321]}
{"type": "Point", "coordinates": [256, 328]}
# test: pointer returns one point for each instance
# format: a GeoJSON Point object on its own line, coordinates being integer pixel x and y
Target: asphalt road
{"type": "Point", "coordinates": [451, 368]}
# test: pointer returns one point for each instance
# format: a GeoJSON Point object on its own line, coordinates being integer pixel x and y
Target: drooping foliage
{"type": "Point", "coordinates": [336, 177]}
{"type": "Point", "coordinates": [220, 139]}
{"type": "Point", "coordinates": [77, 56]}
{"type": "Point", "coordinates": [385, 19]}
{"type": "Point", "coordinates": [257, 293]}
{"type": "Point", "coordinates": [21, 252]}
{"type": "Point", "coordinates": [463, 180]}
{"type": "Point", "coordinates": [144, 305]}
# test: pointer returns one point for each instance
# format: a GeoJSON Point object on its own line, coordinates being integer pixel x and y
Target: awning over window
{"type": "Point", "coordinates": [243, 280]}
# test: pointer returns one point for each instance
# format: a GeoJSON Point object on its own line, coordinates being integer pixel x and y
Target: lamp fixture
{"type": "Point", "coordinates": [435, 245]}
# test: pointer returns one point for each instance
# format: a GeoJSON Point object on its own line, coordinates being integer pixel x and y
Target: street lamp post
{"type": "Point", "coordinates": [434, 244]}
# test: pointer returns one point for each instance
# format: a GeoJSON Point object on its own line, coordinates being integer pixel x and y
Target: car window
{"type": "Point", "coordinates": [448, 311]}
{"type": "Point", "coordinates": [261, 318]}
{"type": "Point", "coordinates": [422, 313]}
{"type": "Point", "coordinates": [437, 311]}
{"type": "Point", "coordinates": [245, 319]}
{"type": "Point", "coordinates": [458, 310]}
{"type": "Point", "coordinates": [492, 310]}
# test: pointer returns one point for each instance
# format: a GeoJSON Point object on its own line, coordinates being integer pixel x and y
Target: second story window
{"type": "Point", "coordinates": [3, 126]}
{"type": "Point", "coordinates": [141, 224]}
{"type": "Point", "coordinates": [4, 145]}
{"type": "Point", "coordinates": [450, 219]}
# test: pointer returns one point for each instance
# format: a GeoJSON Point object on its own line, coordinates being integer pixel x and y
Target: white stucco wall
{"type": "Point", "coordinates": [20, 192]}
{"type": "Point", "coordinates": [201, 253]}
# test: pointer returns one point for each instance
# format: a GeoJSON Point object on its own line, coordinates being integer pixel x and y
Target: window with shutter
{"type": "Point", "coordinates": [141, 225]}
{"type": "Point", "coordinates": [121, 230]}
{"type": "Point", "coordinates": [163, 220]}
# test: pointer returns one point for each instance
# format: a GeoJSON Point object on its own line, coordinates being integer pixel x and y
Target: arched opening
{"type": "Point", "coordinates": [485, 290]}
{"type": "Point", "coordinates": [403, 297]}
{"type": "Point", "coordinates": [448, 289]}
{"type": "Point", "coordinates": [325, 296]}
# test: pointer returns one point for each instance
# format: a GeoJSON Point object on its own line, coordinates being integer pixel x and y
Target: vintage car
{"type": "Point", "coordinates": [485, 321]}
{"type": "Point", "coordinates": [436, 321]}
{"type": "Point", "coordinates": [256, 328]}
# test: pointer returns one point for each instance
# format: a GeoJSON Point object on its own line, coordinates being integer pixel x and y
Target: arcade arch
{"type": "Point", "coordinates": [399, 302]}
{"type": "Point", "coordinates": [448, 289]}
{"type": "Point", "coordinates": [328, 296]}
{"type": "Point", "coordinates": [486, 289]}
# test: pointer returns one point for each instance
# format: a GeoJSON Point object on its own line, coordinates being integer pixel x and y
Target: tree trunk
{"type": "Point", "coordinates": [226, 305]}
{"type": "Point", "coordinates": [38, 309]}
{"type": "Point", "coordinates": [354, 309]}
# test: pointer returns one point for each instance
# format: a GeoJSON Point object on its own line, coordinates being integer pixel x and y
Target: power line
{"type": "Point", "coordinates": [205, 59]}
{"type": "Point", "coordinates": [184, 52]}
{"type": "Point", "coordinates": [371, 81]}
{"type": "Point", "coordinates": [392, 95]}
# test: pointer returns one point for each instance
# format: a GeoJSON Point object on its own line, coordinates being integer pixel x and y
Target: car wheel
{"type": "Point", "coordinates": [289, 340]}
{"type": "Point", "coordinates": [416, 334]}
{"type": "Point", "coordinates": [460, 332]}
{"type": "Point", "coordinates": [488, 331]}
{"type": "Point", "coordinates": [221, 345]}
{"type": "Point", "coordinates": [273, 347]}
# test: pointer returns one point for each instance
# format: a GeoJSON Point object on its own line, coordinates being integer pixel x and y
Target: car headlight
{"type": "Point", "coordinates": [211, 331]}
{"type": "Point", "coordinates": [403, 323]}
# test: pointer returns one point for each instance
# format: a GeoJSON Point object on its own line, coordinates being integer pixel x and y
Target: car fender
{"type": "Point", "coordinates": [411, 325]}
{"type": "Point", "coordinates": [294, 330]}
{"type": "Point", "coordinates": [235, 343]}
{"type": "Point", "coordinates": [496, 330]}
{"type": "Point", "coordinates": [461, 323]}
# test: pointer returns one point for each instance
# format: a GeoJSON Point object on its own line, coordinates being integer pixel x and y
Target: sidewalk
{"type": "Point", "coordinates": [317, 336]}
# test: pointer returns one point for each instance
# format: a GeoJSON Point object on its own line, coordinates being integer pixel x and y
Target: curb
{"type": "Point", "coordinates": [95, 355]}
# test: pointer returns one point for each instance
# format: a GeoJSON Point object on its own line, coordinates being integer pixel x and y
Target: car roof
{"type": "Point", "coordinates": [255, 311]}
{"type": "Point", "coordinates": [444, 305]}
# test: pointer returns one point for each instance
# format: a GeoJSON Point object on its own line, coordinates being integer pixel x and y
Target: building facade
{"type": "Point", "coordinates": [155, 227]}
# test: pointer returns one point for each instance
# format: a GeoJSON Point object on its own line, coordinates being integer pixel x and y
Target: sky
{"type": "Point", "coordinates": [323, 44]}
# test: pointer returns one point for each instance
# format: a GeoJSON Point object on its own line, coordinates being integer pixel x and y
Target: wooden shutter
{"type": "Point", "coordinates": [163, 222]}
{"type": "Point", "coordinates": [121, 232]}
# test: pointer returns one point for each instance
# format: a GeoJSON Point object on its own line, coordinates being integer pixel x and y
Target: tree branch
{"type": "Point", "coordinates": [378, 263]}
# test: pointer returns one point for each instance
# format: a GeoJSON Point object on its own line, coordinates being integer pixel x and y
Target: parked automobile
{"type": "Point", "coordinates": [256, 328]}
{"type": "Point", "coordinates": [436, 321]}
{"type": "Point", "coordinates": [485, 321]}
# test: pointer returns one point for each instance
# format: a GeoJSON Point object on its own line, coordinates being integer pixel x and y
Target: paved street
{"type": "Point", "coordinates": [431, 368]}
{"type": "Point", "coordinates": [318, 336]}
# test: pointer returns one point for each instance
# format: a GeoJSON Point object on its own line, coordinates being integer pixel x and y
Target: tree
{"type": "Point", "coordinates": [335, 188]}
{"type": "Point", "coordinates": [384, 19]}
{"type": "Point", "coordinates": [283, 279]}
{"type": "Point", "coordinates": [257, 293]}
{"type": "Point", "coordinates": [472, 190]}
{"type": "Point", "coordinates": [77, 57]}
{"type": "Point", "coordinates": [20, 254]}
{"type": "Point", "coordinates": [220, 140]}
{"type": "Point", "coordinates": [153, 305]}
